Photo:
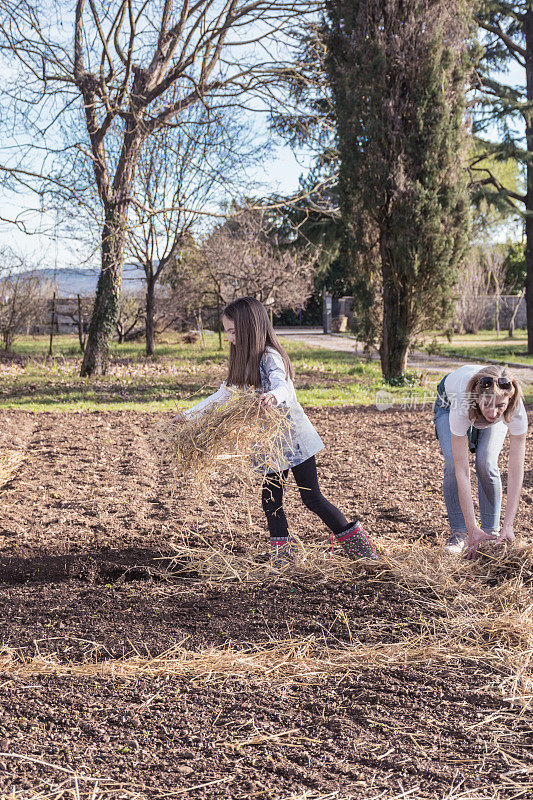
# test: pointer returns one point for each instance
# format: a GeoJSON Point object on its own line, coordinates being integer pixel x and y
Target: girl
{"type": "Point", "coordinates": [475, 407]}
{"type": "Point", "coordinates": [258, 359]}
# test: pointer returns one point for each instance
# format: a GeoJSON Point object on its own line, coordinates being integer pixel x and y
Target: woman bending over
{"type": "Point", "coordinates": [475, 408]}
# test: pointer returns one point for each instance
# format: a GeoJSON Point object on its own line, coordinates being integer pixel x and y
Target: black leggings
{"type": "Point", "coordinates": [306, 479]}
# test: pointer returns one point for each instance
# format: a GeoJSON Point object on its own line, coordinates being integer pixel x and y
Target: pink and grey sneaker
{"type": "Point", "coordinates": [281, 552]}
{"type": "Point", "coordinates": [355, 542]}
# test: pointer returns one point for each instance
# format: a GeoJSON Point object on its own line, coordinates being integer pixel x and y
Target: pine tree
{"type": "Point", "coordinates": [397, 70]}
{"type": "Point", "coordinates": [312, 215]}
{"type": "Point", "coordinates": [508, 37]}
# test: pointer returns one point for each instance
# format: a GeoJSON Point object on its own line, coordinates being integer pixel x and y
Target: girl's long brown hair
{"type": "Point", "coordinates": [474, 393]}
{"type": "Point", "coordinates": [253, 334]}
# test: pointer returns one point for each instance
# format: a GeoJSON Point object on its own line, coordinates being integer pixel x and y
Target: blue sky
{"type": "Point", "coordinates": [279, 173]}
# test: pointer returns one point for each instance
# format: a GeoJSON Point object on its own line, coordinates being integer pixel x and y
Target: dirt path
{"type": "Point", "coordinates": [417, 360]}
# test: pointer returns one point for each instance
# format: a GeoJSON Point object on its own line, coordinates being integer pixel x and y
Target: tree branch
{"type": "Point", "coordinates": [492, 180]}
{"type": "Point", "coordinates": [511, 45]}
{"type": "Point", "coordinates": [105, 50]}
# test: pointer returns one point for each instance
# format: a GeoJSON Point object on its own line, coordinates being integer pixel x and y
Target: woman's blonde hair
{"type": "Point", "coordinates": [253, 334]}
{"type": "Point", "coordinates": [474, 393]}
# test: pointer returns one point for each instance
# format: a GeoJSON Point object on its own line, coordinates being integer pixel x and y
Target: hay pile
{"type": "Point", "coordinates": [240, 434]}
{"type": "Point", "coordinates": [498, 564]}
{"type": "Point", "coordinates": [10, 461]}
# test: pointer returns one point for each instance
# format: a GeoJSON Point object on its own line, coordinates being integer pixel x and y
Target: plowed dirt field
{"type": "Point", "coordinates": [128, 669]}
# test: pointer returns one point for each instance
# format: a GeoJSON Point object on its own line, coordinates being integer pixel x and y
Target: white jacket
{"type": "Point", "coordinates": [305, 441]}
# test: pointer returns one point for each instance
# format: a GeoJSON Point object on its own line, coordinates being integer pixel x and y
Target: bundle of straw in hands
{"type": "Point", "coordinates": [240, 434]}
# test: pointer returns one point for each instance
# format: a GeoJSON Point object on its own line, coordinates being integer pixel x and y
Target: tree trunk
{"type": "Point", "coordinates": [529, 251]}
{"type": "Point", "coordinates": [395, 334]}
{"type": "Point", "coordinates": [528, 29]}
{"type": "Point", "coordinates": [515, 312]}
{"type": "Point", "coordinates": [150, 328]}
{"type": "Point", "coordinates": [106, 303]}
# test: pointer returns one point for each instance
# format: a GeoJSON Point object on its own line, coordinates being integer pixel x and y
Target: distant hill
{"type": "Point", "coordinates": [70, 282]}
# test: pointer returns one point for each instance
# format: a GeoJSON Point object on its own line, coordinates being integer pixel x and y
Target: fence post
{"type": "Point", "coordinates": [326, 311]}
{"type": "Point", "coordinates": [52, 323]}
{"type": "Point", "coordinates": [80, 327]}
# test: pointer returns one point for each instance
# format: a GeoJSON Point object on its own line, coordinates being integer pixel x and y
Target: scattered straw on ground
{"type": "Point", "coordinates": [79, 786]}
{"type": "Point", "coordinates": [483, 615]}
{"type": "Point", "coordinates": [418, 567]}
{"type": "Point", "coordinates": [306, 658]}
{"type": "Point", "coordinates": [237, 434]}
{"type": "Point", "coordinates": [481, 610]}
{"type": "Point", "coordinates": [214, 566]}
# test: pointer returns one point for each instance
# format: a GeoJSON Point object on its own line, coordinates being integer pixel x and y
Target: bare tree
{"type": "Point", "coordinates": [181, 174]}
{"type": "Point", "coordinates": [497, 268]}
{"type": "Point", "coordinates": [246, 256]}
{"type": "Point", "coordinates": [518, 301]}
{"type": "Point", "coordinates": [137, 66]}
{"type": "Point", "coordinates": [187, 289]}
{"type": "Point", "coordinates": [83, 308]}
{"type": "Point", "coordinates": [76, 312]}
{"type": "Point", "coordinates": [24, 298]}
{"type": "Point", "coordinates": [481, 281]}
{"type": "Point", "coordinates": [472, 289]}
{"type": "Point", "coordinates": [130, 314]}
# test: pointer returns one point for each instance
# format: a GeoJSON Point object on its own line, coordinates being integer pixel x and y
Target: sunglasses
{"type": "Point", "coordinates": [487, 382]}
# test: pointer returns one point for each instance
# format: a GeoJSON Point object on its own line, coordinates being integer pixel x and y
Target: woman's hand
{"type": "Point", "coordinates": [268, 400]}
{"type": "Point", "coordinates": [506, 535]}
{"type": "Point", "coordinates": [474, 539]}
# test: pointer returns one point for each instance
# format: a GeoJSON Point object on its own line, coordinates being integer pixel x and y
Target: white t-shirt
{"type": "Point", "coordinates": [455, 385]}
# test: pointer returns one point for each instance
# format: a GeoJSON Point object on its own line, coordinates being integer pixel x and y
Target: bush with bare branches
{"type": "Point", "coordinates": [23, 302]}
{"type": "Point", "coordinates": [481, 280]}
{"type": "Point", "coordinates": [247, 256]}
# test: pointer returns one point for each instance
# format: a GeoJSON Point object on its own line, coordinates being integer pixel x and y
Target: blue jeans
{"type": "Point", "coordinates": [490, 443]}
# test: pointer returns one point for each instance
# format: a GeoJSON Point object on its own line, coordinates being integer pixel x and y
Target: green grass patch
{"type": "Point", "coordinates": [178, 370]}
{"type": "Point", "coordinates": [179, 374]}
{"type": "Point", "coordinates": [328, 378]}
{"type": "Point", "coordinates": [483, 345]}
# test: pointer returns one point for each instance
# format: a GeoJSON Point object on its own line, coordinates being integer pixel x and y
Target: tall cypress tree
{"type": "Point", "coordinates": [508, 37]}
{"type": "Point", "coordinates": [397, 70]}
